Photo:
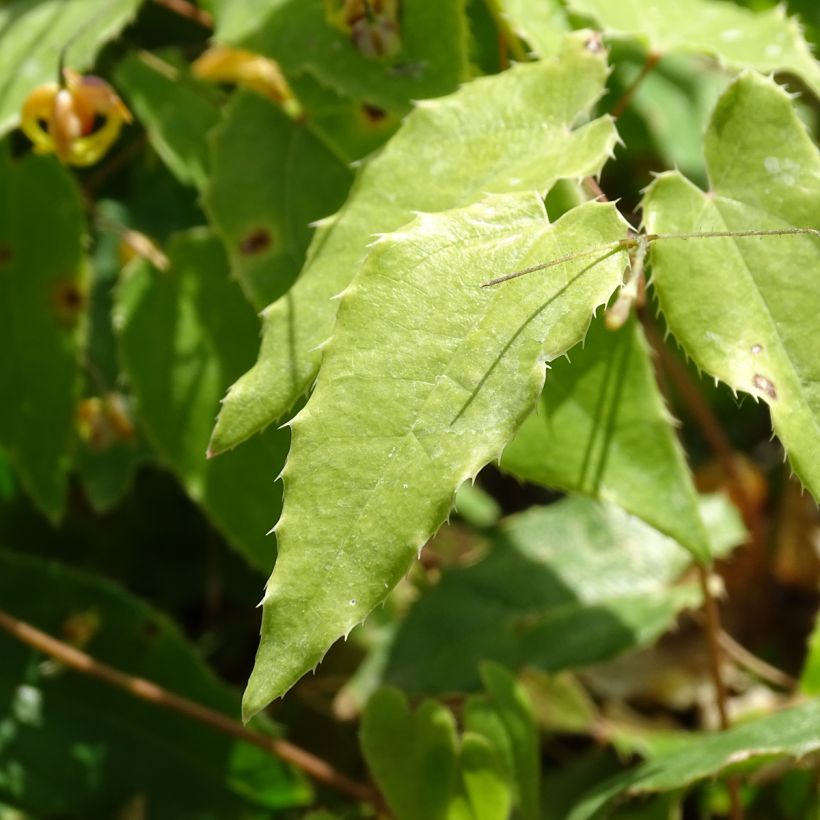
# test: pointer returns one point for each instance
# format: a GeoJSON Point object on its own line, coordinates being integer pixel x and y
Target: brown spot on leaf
{"type": "Point", "coordinates": [150, 630]}
{"type": "Point", "coordinates": [373, 114]}
{"type": "Point", "coordinates": [256, 241]}
{"type": "Point", "coordinates": [766, 385]}
{"type": "Point", "coordinates": [5, 254]}
{"type": "Point", "coordinates": [69, 301]}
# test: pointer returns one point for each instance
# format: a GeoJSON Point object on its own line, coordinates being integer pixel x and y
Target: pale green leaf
{"type": "Point", "coordinates": [517, 131]}
{"type": "Point", "coordinates": [793, 732]}
{"type": "Point", "coordinates": [43, 300]}
{"type": "Point", "coordinates": [565, 586]}
{"type": "Point", "coordinates": [34, 32]}
{"type": "Point", "coordinates": [431, 61]}
{"type": "Point", "coordinates": [73, 746]}
{"type": "Point", "coordinates": [542, 23]}
{"type": "Point", "coordinates": [175, 109]}
{"type": "Point", "coordinates": [745, 308]}
{"type": "Point", "coordinates": [184, 334]}
{"type": "Point", "coordinates": [737, 37]}
{"type": "Point", "coordinates": [412, 755]}
{"type": "Point", "coordinates": [426, 378]}
{"type": "Point", "coordinates": [484, 791]}
{"type": "Point", "coordinates": [271, 177]}
{"type": "Point", "coordinates": [601, 428]}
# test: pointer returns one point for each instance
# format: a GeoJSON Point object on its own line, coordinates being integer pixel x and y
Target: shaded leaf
{"type": "Point", "coordinates": [426, 378]}
{"type": "Point", "coordinates": [737, 37]}
{"type": "Point", "coordinates": [794, 732]}
{"type": "Point", "coordinates": [431, 60]}
{"type": "Point", "coordinates": [34, 33]}
{"type": "Point", "coordinates": [74, 746]}
{"type": "Point", "coordinates": [271, 179]}
{"type": "Point", "coordinates": [515, 131]}
{"type": "Point", "coordinates": [601, 428]}
{"type": "Point", "coordinates": [412, 756]}
{"type": "Point", "coordinates": [184, 334]}
{"type": "Point", "coordinates": [43, 302]}
{"type": "Point", "coordinates": [810, 677]}
{"type": "Point", "coordinates": [176, 110]}
{"type": "Point", "coordinates": [745, 308]}
{"type": "Point", "coordinates": [566, 586]}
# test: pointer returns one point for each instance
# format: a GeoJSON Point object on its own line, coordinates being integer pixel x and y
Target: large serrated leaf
{"type": "Point", "coordinates": [271, 177]}
{"type": "Point", "coordinates": [745, 308]}
{"type": "Point", "coordinates": [512, 132]}
{"type": "Point", "coordinates": [426, 378]}
{"type": "Point", "coordinates": [184, 334]}
{"type": "Point", "coordinates": [73, 746]}
{"type": "Point", "coordinates": [794, 732]}
{"type": "Point", "coordinates": [432, 59]}
{"type": "Point", "coordinates": [43, 300]}
{"type": "Point", "coordinates": [739, 38]}
{"type": "Point", "coordinates": [34, 32]}
{"type": "Point", "coordinates": [565, 586]}
{"type": "Point", "coordinates": [601, 428]}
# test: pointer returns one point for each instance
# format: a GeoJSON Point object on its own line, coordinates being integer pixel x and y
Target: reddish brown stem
{"type": "Point", "coordinates": [68, 655]}
{"type": "Point", "coordinates": [652, 60]}
{"type": "Point", "coordinates": [185, 9]}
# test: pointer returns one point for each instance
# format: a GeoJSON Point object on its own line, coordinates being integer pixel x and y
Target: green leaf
{"type": "Point", "coordinates": [74, 746]}
{"type": "Point", "coordinates": [810, 677]}
{"type": "Point", "coordinates": [184, 335]}
{"type": "Point", "coordinates": [602, 429]}
{"type": "Point", "coordinates": [542, 23]}
{"type": "Point", "coordinates": [426, 378]}
{"type": "Point", "coordinates": [36, 31]}
{"type": "Point", "coordinates": [484, 793]}
{"type": "Point", "coordinates": [43, 295]}
{"type": "Point", "coordinates": [565, 586]}
{"type": "Point", "coordinates": [176, 110]}
{"type": "Point", "coordinates": [738, 38]}
{"type": "Point", "coordinates": [745, 308]}
{"type": "Point", "coordinates": [513, 706]}
{"type": "Point", "coordinates": [515, 131]}
{"type": "Point", "coordinates": [271, 178]}
{"type": "Point", "coordinates": [794, 732]}
{"type": "Point", "coordinates": [431, 61]}
{"type": "Point", "coordinates": [412, 756]}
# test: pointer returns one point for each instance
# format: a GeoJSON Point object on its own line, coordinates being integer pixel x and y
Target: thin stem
{"type": "Point", "coordinates": [713, 630]}
{"type": "Point", "coordinates": [506, 32]}
{"type": "Point", "coordinates": [652, 60]}
{"type": "Point", "coordinates": [653, 237]}
{"type": "Point", "coordinates": [144, 689]}
{"type": "Point", "coordinates": [185, 9]}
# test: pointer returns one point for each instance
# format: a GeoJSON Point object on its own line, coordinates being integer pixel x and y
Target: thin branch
{"type": "Point", "coordinates": [652, 60]}
{"type": "Point", "coordinates": [144, 689]}
{"type": "Point", "coordinates": [185, 9]}
{"type": "Point", "coordinates": [757, 666]}
{"type": "Point", "coordinates": [713, 630]}
{"type": "Point", "coordinates": [504, 30]}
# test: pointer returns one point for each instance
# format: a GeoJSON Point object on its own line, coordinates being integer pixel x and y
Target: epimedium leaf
{"type": "Point", "coordinates": [516, 131]}
{"type": "Point", "coordinates": [737, 37]}
{"type": "Point", "coordinates": [184, 334]}
{"type": "Point", "coordinates": [745, 308]}
{"type": "Point", "coordinates": [431, 58]}
{"type": "Point", "coordinates": [36, 31]}
{"type": "Point", "coordinates": [271, 178]}
{"type": "Point", "coordinates": [484, 792]}
{"type": "Point", "coordinates": [426, 378]}
{"type": "Point", "coordinates": [601, 428]}
{"type": "Point", "coordinates": [412, 755]}
{"type": "Point", "coordinates": [120, 745]}
{"type": "Point", "coordinates": [43, 301]}
{"type": "Point", "coordinates": [793, 732]}
{"type": "Point", "coordinates": [565, 586]}
{"type": "Point", "coordinates": [177, 111]}
{"type": "Point", "coordinates": [542, 23]}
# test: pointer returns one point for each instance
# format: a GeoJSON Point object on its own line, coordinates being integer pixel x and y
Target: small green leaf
{"type": "Point", "coordinates": [516, 131]}
{"type": "Point", "coordinates": [74, 746]}
{"type": "Point", "coordinates": [739, 38]}
{"type": "Point", "coordinates": [271, 177]}
{"type": "Point", "coordinates": [397, 422]}
{"type": "Point", "coordinates": [412, 755]}
{"type": "Point", "coordinates": [36, 31]}
{"type": "Point", "coordinates": [176, 110]}
{"type": "Point", "coordinates": [184, 334]}
{"type": "Point", "coordinates": [43, 302]}
{"type": "Point", "coordinates": [432, 59]}
{"type": "Point", "coordinates": [794, 732]}
{"type": "Point", "coordinates": [745, 308]}
{"type": "Point", "coordinates": [565, 586]}
{"type": "Point", "coordinates": [602, 429]}
{"type": "Point", "coordinates": [484, 792]}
